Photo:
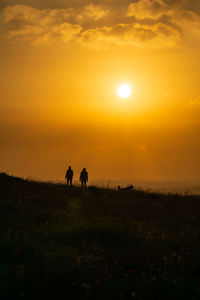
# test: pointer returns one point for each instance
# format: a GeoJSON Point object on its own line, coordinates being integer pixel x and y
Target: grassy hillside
{"type": "Point", "coordinates": [73, 243]}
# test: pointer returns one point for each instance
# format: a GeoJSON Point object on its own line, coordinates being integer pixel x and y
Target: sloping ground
{"type": "Point", "coordinates": [73, 243]}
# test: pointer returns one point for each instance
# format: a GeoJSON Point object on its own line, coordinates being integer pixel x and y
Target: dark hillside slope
{"type": "Point", "coordinates": [74, 243]}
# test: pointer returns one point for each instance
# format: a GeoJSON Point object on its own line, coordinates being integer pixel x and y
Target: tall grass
{"type": "Point", "coordinates": [97, 243]}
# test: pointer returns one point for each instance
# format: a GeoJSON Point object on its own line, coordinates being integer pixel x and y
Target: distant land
{"type": "Point", "coordinates": [177, 186]}
{"type": "Point", "coordinates": [182, 187]}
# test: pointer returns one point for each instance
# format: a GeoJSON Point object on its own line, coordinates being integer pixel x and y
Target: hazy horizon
{"type": "Point", "coordinates": [184, 187]}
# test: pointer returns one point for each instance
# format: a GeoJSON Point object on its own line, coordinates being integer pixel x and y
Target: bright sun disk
{"type": "Point", "coordinates": [124, 91]}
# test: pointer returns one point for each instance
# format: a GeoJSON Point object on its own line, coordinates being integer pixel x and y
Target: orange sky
{"type": "Point", "coordinates": [61, 63]}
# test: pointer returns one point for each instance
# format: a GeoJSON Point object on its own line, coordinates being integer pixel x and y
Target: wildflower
{"type": "Point", "coordinates": [164, 279]}
{"type": "Point", "coordinates": [131, 272]}
{"type": "Point", "coordinates": [148, 259]}
{"type": "Point", "coordinates": [133, 294]}
{"type": "Point", "coordinates": [179, 258]}
{"type": "Point", "coordinates": [16, 266]}
{"type": "Point", "coordinates": [85, 286]}
{"type": "Point", "coordinates": [100, 278]}
{"type": "Point", "coordinates": [78, 260]}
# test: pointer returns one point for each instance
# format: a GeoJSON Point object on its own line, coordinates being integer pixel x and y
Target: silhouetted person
{"type": "Point", "coordinates": [69, 176]}
{"type": "Point", "coordinates": [84, 177]}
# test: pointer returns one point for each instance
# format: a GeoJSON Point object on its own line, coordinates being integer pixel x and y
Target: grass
{"type": "Point", "coordinates": [97, 243]}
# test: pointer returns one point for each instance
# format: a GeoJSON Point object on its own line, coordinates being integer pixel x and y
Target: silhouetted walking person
{"type": "Point", "coordinates": [69, 176]}
{"type": "Point", "coordinates": [84, 177]}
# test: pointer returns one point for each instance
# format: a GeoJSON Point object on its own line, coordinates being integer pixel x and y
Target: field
{"type": "Point", "coordinates": [97, 243]}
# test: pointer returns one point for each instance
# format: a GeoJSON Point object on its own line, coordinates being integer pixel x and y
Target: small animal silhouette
{"type": "Point", "coordinates": [128, 188]}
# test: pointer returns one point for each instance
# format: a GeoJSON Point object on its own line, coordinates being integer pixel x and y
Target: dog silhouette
{"type": "Point", "coordinates": [128, 188]}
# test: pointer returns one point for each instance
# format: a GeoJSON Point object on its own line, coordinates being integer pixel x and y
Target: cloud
{"type": "Point", "coordinates": [137, 35]}
{"type": "Point", "coordinates": [37, 35]}
{"type": "Point", "coordinates": [147, 24]}
{"type": "Point", "coordinates": [148, 9]}
{"type": "Point", "coordinates": [96, 37]}
{"type": "Point", "coordinates": [158, 10]}
{"type": "Point", "coordinates": [66, 31]}
{"type": "Point", "coordinates": [27, 14]}
{"type": "Point", "coordinates": [94, 12]}
{"type": "Point", "coordinates": [40, 26]}
{"type": "Point", "coordinates": [175, 22]}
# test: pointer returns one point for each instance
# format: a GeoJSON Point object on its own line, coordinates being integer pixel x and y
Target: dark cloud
{"type": "Point", "coordinates": [193, 5]}
{"type": "Point", "coordinates": [42, 4]}
{"type": "Point", "coordinates": [142, 23]}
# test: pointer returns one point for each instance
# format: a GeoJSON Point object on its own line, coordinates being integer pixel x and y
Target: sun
{"type": "Point", "coordinates": [124, 91]}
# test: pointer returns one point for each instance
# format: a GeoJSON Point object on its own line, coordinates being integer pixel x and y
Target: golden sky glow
{"type": "Point", "coordinates": [61, 65]}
